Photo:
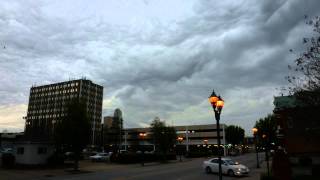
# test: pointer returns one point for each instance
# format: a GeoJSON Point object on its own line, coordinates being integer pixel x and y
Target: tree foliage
{"type": "Point", "coordinates": [234, 134]}
{"type": "Point", "coordinates": [267, 126]}
{"type": "Point", "coordinates": [306, 83]}
{"type": "Point", "coordinates": [73, 132]}
{"type": "Point", "coordinates": [163, 136]}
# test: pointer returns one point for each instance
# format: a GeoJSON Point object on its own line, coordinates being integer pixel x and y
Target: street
{"type": "Point", "coordinates": [187, 170]}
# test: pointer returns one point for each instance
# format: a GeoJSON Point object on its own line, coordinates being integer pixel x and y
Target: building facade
{"type": "Point", "coordinates": [298, 136]}
{"type": "Point", "coordinates": [194, 137]}
{"type": "Point", "coordinates": [107, 122]}
{"type": "Point", "coordinates": [48, 106]}
{"type": "Point", "coordinates": [113, 129]}
{"type": "Point", "coordinates": [7, 140]}
{"type": "Point", "coordinates": [192, 134]}
{"type": "Point", "coordinates": [32, 153]}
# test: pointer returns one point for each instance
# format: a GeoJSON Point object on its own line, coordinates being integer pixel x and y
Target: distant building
{"type": "Point", "coordinates": [107, 121]}
{"type": "Point", "coordinates": [48, 106]}
{"type": "Point", "coordinates": [194, 137]}
{"type": "Point", "coordinates": [7, 140]}
{"type": "Point", "coordinates": [113, 130]}
{"type": "Point", "coordinates": [117, 119]}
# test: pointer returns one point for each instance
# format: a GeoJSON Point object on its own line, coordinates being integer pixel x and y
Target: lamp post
{"type": "Point", "coordinates": [217, 104]}
{"type": "Point", "coordinates": [142, 137]}
{"type": "Point", "coordinates": [187, 140]}
{"type": "Point", "coordinates": [125, 140]}
{"type": "Point", "coordinates": [180, 139]}
{"type": "Point", "coordinates": [255, 131]}
{"type": "Point", "coordinates": [264, 136]}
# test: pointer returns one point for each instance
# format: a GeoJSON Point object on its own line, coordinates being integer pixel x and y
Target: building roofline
{"type": "Point", "coordinates": [60, 83]}
{"type": "Point", "coordinates": [180, 126]}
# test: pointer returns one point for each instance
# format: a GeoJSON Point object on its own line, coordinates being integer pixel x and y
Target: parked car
{"type": "Point", "coordinates": [70, 155]}
{"type": "Point", "coordinates": [123, 151]}
{"type": "Point", "coordinates": [228, 166]}
{"type": "Point", "coordinates": [101, 157]}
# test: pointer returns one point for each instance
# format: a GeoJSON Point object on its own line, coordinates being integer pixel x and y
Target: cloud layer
{"type": "Point", "coordinates": [154, 59]}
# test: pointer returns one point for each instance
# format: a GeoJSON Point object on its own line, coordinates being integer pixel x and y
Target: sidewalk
{"type": "Point", "coordinates": [85, 167]}
{"type": "Point", "coordinates": [256, 172]}
{"type": "Point", "coordinates": [38, 173]}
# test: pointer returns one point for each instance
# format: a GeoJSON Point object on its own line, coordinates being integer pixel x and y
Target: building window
{"type": "Point", "coordinates": [20, 150]}
{"type": "Point", "coordinates": [42, 150]}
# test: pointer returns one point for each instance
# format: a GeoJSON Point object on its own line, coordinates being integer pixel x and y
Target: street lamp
{"type": "Point", "coordinates": [217, 104]}
{"type": "Point", "coordinates": [180, 139]}
{"type": "Point", "coordinates": [125, 140]}
{"type": "Point", "coordinates": [142, 137]}
{"type": "Point", "coordinates": [255, 132]}
{"type": "Point", "coordinates": [264, 136]}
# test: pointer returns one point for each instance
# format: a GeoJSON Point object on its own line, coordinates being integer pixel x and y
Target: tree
{"type": "Point", "coordinates": [267, 129]}
{"type": "Point", "coordinates": [163, 136]}
{"type": "Point", "coordinates": [306, 83]}
{"type": "Point", "coordinates": [234, 134]}
{"type": "Point", "coordinates": [74, 130]}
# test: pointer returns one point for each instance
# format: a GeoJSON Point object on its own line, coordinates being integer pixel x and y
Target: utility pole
{"type": "Point", "coordinates": [187, 139]}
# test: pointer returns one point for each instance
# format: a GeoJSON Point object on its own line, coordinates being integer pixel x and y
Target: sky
{"type": "Point", "coordinates": [154, 58]}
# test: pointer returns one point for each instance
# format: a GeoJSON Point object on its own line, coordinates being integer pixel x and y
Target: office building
{"type": "Point", "coordinates": [113, 129]}
{"type": "Point", "coordinates": [194, 137]}
{"type": "Point", "coordinates": [107, 121]}
{"type": "Point", "coordinates": [48, 106]}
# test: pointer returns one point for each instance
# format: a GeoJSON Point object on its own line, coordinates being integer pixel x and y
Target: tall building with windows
{"type": "Point", "coordinates": [113, 129]}
{"type": "Point", "coordinates": [48, 106]}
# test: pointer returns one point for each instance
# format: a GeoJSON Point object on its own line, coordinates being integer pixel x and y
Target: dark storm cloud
{"type": "Point", "coordinates": [240, 48]}
{"type": "Point", "coordinates": [244, 49]}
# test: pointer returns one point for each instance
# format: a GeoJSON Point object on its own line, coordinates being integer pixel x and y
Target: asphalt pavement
{"type": "Point", "coordinates": [189, 169]}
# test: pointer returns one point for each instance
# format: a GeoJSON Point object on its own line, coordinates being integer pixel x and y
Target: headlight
{"type": "Point", "coordinates": [239, 169]}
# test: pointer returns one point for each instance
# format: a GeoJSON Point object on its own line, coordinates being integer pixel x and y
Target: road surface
{"type": "Point", "coordinates": [187, 170]}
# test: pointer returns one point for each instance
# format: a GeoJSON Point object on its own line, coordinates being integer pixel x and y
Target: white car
{"type": "Point", "coordinates": [227, 165]}
{"type": "Point", "coordinates": [100, 157]}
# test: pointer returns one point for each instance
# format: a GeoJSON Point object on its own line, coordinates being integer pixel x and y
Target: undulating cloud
{"type": "Point", "coordinates": [153, 58]}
